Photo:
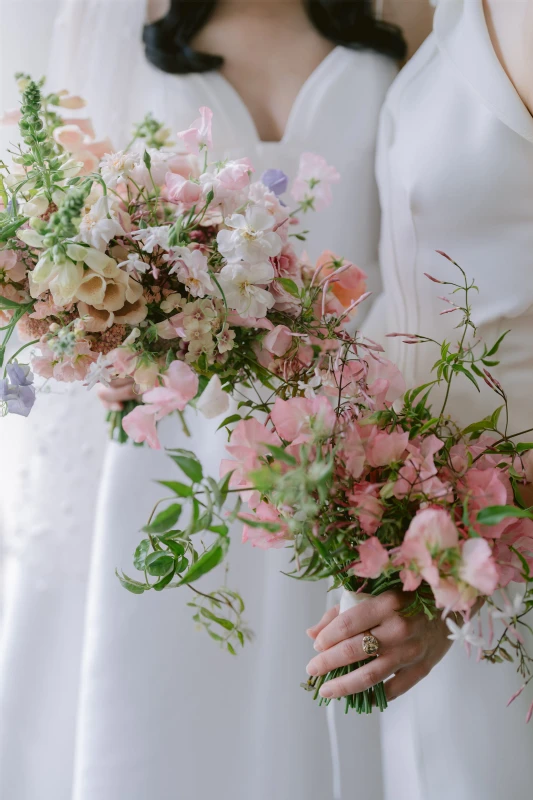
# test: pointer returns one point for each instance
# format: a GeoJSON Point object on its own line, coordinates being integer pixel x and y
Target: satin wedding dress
{"type": "Point", "coordinates": [455, 170]}
{"type": "Point", "coordinates": [128, 699]}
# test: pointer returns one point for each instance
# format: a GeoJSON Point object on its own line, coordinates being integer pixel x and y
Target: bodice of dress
{"type": "Point", "coordinates": [455, 170]}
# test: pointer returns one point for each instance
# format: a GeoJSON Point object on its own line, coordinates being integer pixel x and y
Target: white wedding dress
{"type": "Point", "coordinates": [104, 695]}
{"type": "Point", "coordinates": [455, 170]}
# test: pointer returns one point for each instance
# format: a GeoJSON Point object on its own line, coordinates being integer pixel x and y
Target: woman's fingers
{"type": "Point", "coordinates": [328, 617]}
{"type": "Point", "coordinates": [405, 679]}
{"type": "Point", "coordinates": [379, 669]}
{"type": "Point", "coordinates": [369, 614]}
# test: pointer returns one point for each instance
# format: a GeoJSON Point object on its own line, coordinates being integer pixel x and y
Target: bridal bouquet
{"type": "Point", "coordinates": [158, 264]}
{"type": "Point", "coordinates": [152, 263]}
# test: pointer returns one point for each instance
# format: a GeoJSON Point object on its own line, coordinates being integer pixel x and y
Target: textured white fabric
{"type": "Point", "coordinates": [159, 711]}
{"type": "Point", "coordinates": [455, 169]}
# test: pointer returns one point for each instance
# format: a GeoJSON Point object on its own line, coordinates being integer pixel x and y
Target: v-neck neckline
{"type": "Point", "coordinates": [239, 109]}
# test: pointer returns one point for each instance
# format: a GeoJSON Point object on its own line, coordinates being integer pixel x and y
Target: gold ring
{"type": "Point", "coordinates": [370, 644]}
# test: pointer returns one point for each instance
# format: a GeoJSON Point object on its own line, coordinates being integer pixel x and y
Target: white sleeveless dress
{"type": "Point", "coordinates": [455, 170]}
{"type": "Point", "coordinates": [155, 709]}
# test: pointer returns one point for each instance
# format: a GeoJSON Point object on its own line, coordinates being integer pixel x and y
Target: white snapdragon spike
{"type": "Point", "coordinates": [193, 271]}
{"type": "Point", "coordinates": [99, 262]}
{"type": "Point", "coordinates": [118, 167]}
{"type": "Point", "coordinates": [214, 400]}
{"type": "Point", "coordinates": [252, 238]}
{"type": "Point", "coordinates": [153, 237]}
{"type": "Point", "coordinates": [464, 634]}
{"type": "Point", "coordinates": [31, 238]}
{"type": "Point", "coordinates": [99, 372]}
{"type": "Point", "coordinates": [34, 207]}
{"type": "Point", "coordinates": [100, 225]}
{"type": "Point", "coordinates": [242, 286]}
{"type": "Point", "coordinates": [134, 263]}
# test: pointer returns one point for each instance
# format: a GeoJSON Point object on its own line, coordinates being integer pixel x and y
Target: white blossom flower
{"type": "Point", "coordinates": [134, 263]}
{"type": "Point", "coordinates": [214, 400]}
{"type": "Point", "coordinates": [99, 372]}
{"type": "Point", "coordinates": [464, 634]}
{"type": "Point", "coordinates": [193, 271]}
{"type": "Point", "coordinates": [153, 237]}
{"type": "Point", "coordinates": [241, 284]}
{"type": "Point", "coordinates": [117, 167]}
{"type": "Point", "coordinates": [252, 238]}
{"type": "Point", "coordinates": [512, 608]}
{"type": "Point", "coordinates": [99, 225]}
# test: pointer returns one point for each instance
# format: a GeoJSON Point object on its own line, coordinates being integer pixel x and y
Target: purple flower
{"type": "Point", "coordinates": [16, 391]}
{"type": "Point", "coordinates": [275, 180]}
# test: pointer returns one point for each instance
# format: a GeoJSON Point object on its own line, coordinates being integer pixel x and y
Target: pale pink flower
{"type": "Point", "coordinates": [353, 453]}
{"type": "Point", "coordinates": [71, 101]}
{"type": "Point", "coordinates": [347, 286]}
{"type": "Point", "coordinates": [278, 341]}
{"type": "Point", "coordinates": [199, 134]}
{"type": "Point", "coordinates": [11, 117]}
{"type": "Point", "coordinates": [260, 537]}
{"type": "Point", "coordinates": [527, 460]}
{"type": "Point", "coordinates": [419, 473]}
{"type": "Point", "coordinates": [140, 425]}
{"type": "Point", "coordinates": [369, 509]}
{"type": "Point", "coordinates": [453, 596]}
{"type": "Point", "coordinates": [314, 180]}
{"type": "Point", "coordinates": [385, 381]}
{"type": "Point", "coordinates": [483, 488]}
{"type": "Point", "coordinates": [478, 568]}
{"type": "Point", "coordinates": [68, 368]}
{"type": "Point", "coordinates": [181, 190]}
{"type": "Point", "coordinates": [70, 137]}
{"type": "Point", "coordinates": [519, 536]}
{"type": "Point", "coordinates": [384, 448]}
{"type": "Point", "coordinates": [248, 442]}
{"type": "Point", "coordinates": [123, 360]}
{"type": "Point", "coordinates": [430, 533]}
{"type": "Point", "coordinates": [299, 419]}
{"type": "Point", "coordinates": [373, 559]}
{"type": "Point", "coordinates": [180, 385]}
{"type": "Point", "coordinates": [214, 400]}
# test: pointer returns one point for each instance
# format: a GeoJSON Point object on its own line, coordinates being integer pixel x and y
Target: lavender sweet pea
{"type": "Point", "coordinates": [16, 391]}
{"type": "Point", "coordinates": [276, 180]}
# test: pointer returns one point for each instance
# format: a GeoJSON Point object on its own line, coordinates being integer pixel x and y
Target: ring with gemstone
{"type": "Point", "coordinates": [370, 644]}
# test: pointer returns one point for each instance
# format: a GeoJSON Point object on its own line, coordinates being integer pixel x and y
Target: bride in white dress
{"type": "Point", "coordinates": [129, 700]}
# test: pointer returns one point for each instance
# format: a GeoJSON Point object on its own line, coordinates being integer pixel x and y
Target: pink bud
{"type": "Point", "coordinates": [449, 311]}
{"type": "Point", "coordinates": [431, 278]}
{"type": "Point", "coordinates": [529, 713]}
{"type": "Point", "coordinates": [442, 253]}
{"type": "Point", "coordinates": [515, 695]}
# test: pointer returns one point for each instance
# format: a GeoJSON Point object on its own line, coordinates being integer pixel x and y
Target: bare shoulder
{"type": "Point", "coordinates": [414, 17]}
{"type": "Point", "coordinates": [510, 24]}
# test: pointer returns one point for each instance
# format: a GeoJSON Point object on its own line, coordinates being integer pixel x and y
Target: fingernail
{"type": "Point", "coordinates": [325, 691]}
{"type": "Point", "coordinates": [309, 632]}
{"type": "Point", "coordinates": [311, 669]}
{"type": "Point", "coordinates": [317, 647]}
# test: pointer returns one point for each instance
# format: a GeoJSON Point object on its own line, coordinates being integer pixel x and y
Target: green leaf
{"type": "Point", "coordinates": [190, 466]}
{"type": "Point", "coordinates": [140, 554]}
{"type": "Point", "coordinates": [231, 649]}
{"type": "Point", "coordinates": [177, 548]}
{"type": "Point", "coordinates": [522, 447]}
{"type": "Point", "coordinates": [181, 489]}
{"type": "Point", "coordinates": [224, 623]}
{"type": "Point", "coordinates": [6, 303]}
{"type": "Point", "coordinates": [464, 371]}
{"type": "Point", "coordinates": [147, 159]}
{"type": "Point", "coordinates": [289, 286]}
{"type": "Point", "coordinates": [429, 424]}
{"type": "Point", "coordinates": [282, 455]}
{"type": "Point", "coordinates": [224, 485]}
{"type": "Point", "coordinates": [128, 583]}
{"type": "Point", "coordinates": [222, 530]}
{"type": "Point", "coordinates": [160, 564]}
{"type": "Point", "coordinates": [496, 346]}
{"type": "Point", "coordinates": [160, 585]}
{"type": "Point", "coordinates": [271, 527]}
{"type": "Point", "coordinates": [207, 561]}
{"type": "Point", "coordinates": [165, 520]}
{"type": "Point", "coordinates": [229, 420]}
{"type": "Point", "coordinates": [493, 515]}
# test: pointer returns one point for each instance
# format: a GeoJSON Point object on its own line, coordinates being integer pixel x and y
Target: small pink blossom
{"type": "Point", "coordinates": [478, 568]}
{"type": "Point", "coordinates": [261, 537]}
{"type": "Point", "coordinates": [278, 341]}
{"type": "Point", "coordinates": [374, 559]}
{"type": "Point", "coordinates": [384, 448]}
{"type": "Point", "coordinates": [430, 533]}
{"type": "Point", "coordinates": [352, 453]}
{"type": "Point", "coordinates": [180, 190]}
{"type": "Point", "coordinates": [483, 488]}
{"type": "Point", "coordinates": [369, 509]}
{"type": "Point", "coordinates": [299, 418]}
{"type": "Point", "coordinates": [199, 134]}
{"type": "Point", "coordinates": [314, 179]}
{"type": "Point", "coordinates": [140, 425]}
{"type": "Point", "coordinates": [453, 596]}
{"type": "Point", "coordinates": [519, 537]}
{"type": "Point", "coordinates": [180, 385]}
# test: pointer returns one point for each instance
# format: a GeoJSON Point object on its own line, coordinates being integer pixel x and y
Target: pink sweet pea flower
{"type": "Point", "coordinates": [430, 533]}
{"type": "Point", "coordinates": [519, 536]}
{"type": "Point", "coordinates": [234, 176]}
{"type": "Point", "coordinates": [487, 487]}
{"type": "Point", "coordinates": [374, 559]}
{"type": "Point", "coordinates": [369, 509]}
{"type": "Point", "coordinates": [260, 537]}
{"type": "Point", "coordinates": [278, 341]}
{"type": "Point", "coordinates": [297, 419]}
{"type": "Point", "coordinates": [248, 442]}
{"type": "Point", "coordinates": [453, 596]}
{"type": "Point", "coordinates": [314, 180]}
{"type": "Point", "coordinates": [180, 385]}
{"type": "Point", "coordinates": [527, 460]}
{"type": "Point", "coordinates": [385, 381]}
{"type": "Point", "coordinates": [384, 448]}
{"type": "Point", "coordinates": [348, 286]}
{"type": "Point", "coordinates": [199, 135]}
{"type": "Point", "coordinates": [140, 426]}
{"type": "Point", "coordinates": [353, 453]}
{"type": "Point", "coordinates": [478, 567]}
{"type": "Point", "coordinates": [181, 190]}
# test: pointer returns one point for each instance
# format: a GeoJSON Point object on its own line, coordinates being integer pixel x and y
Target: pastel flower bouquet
{"type": "Point", "coordinates": [157, 264]}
